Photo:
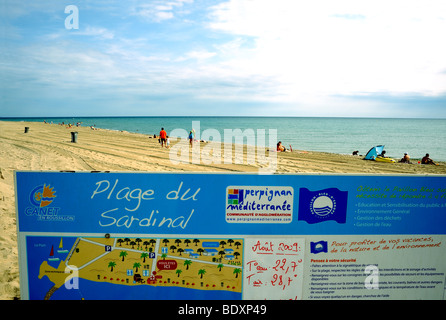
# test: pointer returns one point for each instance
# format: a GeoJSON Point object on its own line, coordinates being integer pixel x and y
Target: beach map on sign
{"type": "Point", "coordinates": [134, 268]}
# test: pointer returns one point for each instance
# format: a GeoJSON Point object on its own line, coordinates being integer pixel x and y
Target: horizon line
{"type": "Point", "coordinates": [216, 116]}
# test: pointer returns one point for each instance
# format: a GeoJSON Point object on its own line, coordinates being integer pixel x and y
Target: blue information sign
{"type": "Point", "coordinates": [139, 229]}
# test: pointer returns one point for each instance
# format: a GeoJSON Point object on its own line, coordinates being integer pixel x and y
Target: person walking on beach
{"type": "Point", "coordinates": [163, 135]}
{"type": "Point", "coordinates": [191, 137]}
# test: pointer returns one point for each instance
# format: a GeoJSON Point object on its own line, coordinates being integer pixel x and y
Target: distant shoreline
{"type": "Point", "coordinates": [338, 135]}
{"type": "Point", "coordinates": [286, 155]}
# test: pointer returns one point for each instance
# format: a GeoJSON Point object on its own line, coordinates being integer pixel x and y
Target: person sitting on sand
{"type": "Point", "coordinates": [383, 154]}
{"type": "Point", "coordinates": [427, 160]}
{"type": "Point", "coordinates": [280, 147]}
{"type": "Point", "coordinates": [405, 158]}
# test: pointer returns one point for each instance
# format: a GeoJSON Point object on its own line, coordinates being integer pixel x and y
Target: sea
{"type": "Point", "coordinates": [326, 134]}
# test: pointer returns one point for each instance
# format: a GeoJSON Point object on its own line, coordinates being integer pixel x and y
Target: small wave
{"type": "Point", "coordinates": [322, 211]}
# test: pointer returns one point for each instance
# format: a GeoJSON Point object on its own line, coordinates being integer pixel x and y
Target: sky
{"type": "Point", "coordinates": [334, 58]}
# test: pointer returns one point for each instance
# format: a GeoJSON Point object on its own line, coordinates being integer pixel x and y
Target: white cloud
{"type": "Point", "coordinates": [302, 57]}
{"type": "Point", "coordinates": [102, 33]}
{"type": "Point", "coordinates": [159, 11]}
{"type": "Point", "coordinates": [339, 47]}
{"type": "Point", "coordinates": [196, 54]}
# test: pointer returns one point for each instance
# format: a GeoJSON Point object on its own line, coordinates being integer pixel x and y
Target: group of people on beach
{"type": "Point", "coordinates": [71, 125]}
{"type": "Point", "coordinates": [406, 158]}
{"type": "Point", "coordinates": [425, 160]}
{"type": "Point", "coordinates": [164, 139]}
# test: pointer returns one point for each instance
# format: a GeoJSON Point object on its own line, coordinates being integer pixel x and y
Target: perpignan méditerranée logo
{"type": "Point", "coordinates": [259, 204]}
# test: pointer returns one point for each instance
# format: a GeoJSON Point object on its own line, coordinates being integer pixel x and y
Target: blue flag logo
{"type": "Point", "coordinates": [318, 247]}
{"type": "Point", "coordinates": [322, 205]}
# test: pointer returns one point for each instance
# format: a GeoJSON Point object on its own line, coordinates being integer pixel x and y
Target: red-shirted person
{"type": "Point", "coordinates": [163, 135]}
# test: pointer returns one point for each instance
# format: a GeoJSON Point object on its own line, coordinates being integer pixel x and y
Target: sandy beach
{"type": "Point", "coordinates": [48, 147]}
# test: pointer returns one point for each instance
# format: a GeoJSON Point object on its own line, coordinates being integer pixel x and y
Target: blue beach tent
{"type": "Point", "coordinates": [374, 152]}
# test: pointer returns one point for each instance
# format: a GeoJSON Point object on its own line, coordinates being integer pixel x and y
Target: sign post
{"type": "Point", "coordinates": [230, 236]}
